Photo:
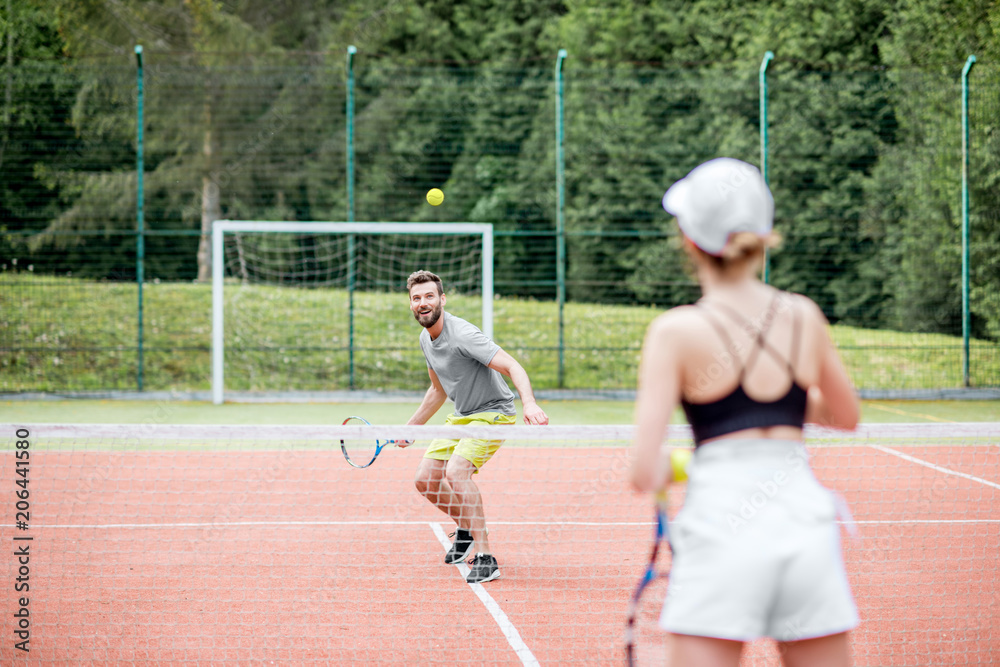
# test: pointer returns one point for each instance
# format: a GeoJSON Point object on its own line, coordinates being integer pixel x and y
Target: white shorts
{"type": "Point", "coordinates": [756, 548]}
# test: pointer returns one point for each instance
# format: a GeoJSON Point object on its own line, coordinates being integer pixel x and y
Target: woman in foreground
{"type": "Point", "coordinates": [756, 546]}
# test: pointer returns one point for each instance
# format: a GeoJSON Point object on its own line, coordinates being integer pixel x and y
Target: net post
{"type": "Point", "coordinates": [140, 222]}
{"type": "Point", "coordinates": [349, 110]}
{"type": "Point", "coordinates": [217, 314]}
{"type": "Point", "coordinates": [560, 215]}
{"type": "Point", "coordinates": [488, 281]}
{"type": "Point", "coordinates": [351, 249]}
{"type": "Point", "coordinates": [970, 61]}
{"type": "Point", "coordinates": [768, 57]}
{"type": "Point", "coordinates": [10, 72]}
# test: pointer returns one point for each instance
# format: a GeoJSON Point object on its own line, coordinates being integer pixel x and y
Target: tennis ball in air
{"type": "Point", "coordinates": [435, 197]}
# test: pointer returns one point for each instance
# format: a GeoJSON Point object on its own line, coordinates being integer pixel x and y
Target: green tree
{"type": "Point", "coordinates": [916, 216]}
{"type": "Point", "coordinates": [218, 126]}
{"type": "Point", "coordinates": [826, 127]}
{"type": "Point", "coordinates": [34, 97]}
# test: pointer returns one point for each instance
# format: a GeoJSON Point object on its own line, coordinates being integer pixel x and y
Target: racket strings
{"type": "Point", "coordinates": [360, 452]}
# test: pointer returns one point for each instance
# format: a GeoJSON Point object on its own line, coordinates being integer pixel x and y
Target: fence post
{"type": "Point", "coordinates": [768, 57]}
{"type": "Point", "coordinates": [965, 218]}
{"type": "Point", "coordinates": [10, 71]}
{"type": "Point", "coordinates": [351, 250]}
{"type": "Point", "coordinates": [560, 216]}
{"type": "Point", "coordinates": [140, 222]}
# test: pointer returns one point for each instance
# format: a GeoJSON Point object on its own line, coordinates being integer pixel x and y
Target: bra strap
{"type": "Point", "coordinates": [796, 330]}
{"type": "Point", "coordinates": [761, 342]}
{"type": "Point", "coordinates": [719, 329]}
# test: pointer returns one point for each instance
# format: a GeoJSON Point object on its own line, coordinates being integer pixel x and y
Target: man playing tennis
{"type": "Point", "coordinates": [465, 366]}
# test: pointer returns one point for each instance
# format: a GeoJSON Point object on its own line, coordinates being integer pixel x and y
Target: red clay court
{"type": "Point", "coordinates": [260, 545]}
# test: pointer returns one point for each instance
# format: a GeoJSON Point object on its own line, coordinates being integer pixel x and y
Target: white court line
{"type": "Point", "coordinates": [928, 464]}
{"type": "Point", "coordinates": [279, 524]}
{"type": "Point", "coordinates": [508, 629]}
{"type": "Point", "coordinates": [233, 524]}
{"type": "Point", "coordinates": [294, 524]}
{"type": "Point", "coordinates": [922, 521]}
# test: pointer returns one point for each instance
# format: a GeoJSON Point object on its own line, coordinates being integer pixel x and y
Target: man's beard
{"type": "Point", "coordinates": [431, 318]}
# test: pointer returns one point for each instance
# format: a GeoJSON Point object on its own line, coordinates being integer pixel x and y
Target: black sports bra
{"type": "Point", "coordinates": [737, 411]}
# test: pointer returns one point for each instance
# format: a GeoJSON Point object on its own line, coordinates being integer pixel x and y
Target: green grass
{"type": "Point", "coordinates": [65, 334]}
{"type": "Point", "coordinates": [192, 412]}
{"type": "Point", "coordinates": [560, 412]}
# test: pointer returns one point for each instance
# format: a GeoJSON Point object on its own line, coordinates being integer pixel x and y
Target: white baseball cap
{"type": "Point", "coordinates": [718, 198]}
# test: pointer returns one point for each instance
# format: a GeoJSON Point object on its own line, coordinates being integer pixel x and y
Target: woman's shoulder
{"type": "Point", "coordinates": [808, 308]}
{"type": "Point", "coordinates": [676, 320]}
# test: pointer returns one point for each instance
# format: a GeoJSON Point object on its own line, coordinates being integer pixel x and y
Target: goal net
{"type": "Point", "coordinates": [321, 306]}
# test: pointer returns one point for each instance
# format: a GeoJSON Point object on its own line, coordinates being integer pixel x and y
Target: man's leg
{"type": "Point", "coordinates": [459, 473]}
{"type": "Point", "coordinates": [465, 493]}
{"type": "Point", "coordinates": [432, 484]}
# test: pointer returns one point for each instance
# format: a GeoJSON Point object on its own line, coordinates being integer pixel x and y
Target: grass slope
{"type": "Point", "coordinates": [559, 412]}
{"type": "Point", "coordinates": [62, 334]}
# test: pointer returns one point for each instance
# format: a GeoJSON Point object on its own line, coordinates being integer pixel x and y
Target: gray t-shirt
{"type": "Point", "coordinates": [459, 357]}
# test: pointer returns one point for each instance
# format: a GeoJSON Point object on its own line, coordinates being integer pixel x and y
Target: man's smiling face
{"type": "Point", "coordinates": [426, 304]}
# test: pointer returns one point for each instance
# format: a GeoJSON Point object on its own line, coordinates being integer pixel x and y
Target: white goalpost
{"type": "Point", "coordinates": [338, 264]}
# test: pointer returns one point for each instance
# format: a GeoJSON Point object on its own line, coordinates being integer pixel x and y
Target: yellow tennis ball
{"type": "Point", "coordinates": [679, 459]}
{"type": "Point", "coordinates": [435, 197]}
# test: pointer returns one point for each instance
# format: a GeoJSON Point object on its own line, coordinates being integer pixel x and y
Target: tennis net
{"type": "Point", "coordinates": [251, 544]}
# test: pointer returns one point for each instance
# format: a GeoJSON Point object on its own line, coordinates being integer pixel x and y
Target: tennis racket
{"type": "Point", "coordinates": [644, 607]}
{"type": "Point", "coordinates": [360, 452]}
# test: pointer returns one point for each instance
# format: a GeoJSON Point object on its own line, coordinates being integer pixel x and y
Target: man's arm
{"type": "Point", "coordinates": [504, 363]}
{"type": "Point", "coordinates": [433, 400]}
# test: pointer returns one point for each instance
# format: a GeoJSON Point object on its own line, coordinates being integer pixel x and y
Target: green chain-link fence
{"type": "Point", "coordinates": [865, 167]}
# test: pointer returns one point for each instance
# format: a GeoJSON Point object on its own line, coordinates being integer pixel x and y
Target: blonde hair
{"type": "Point", "coordinates": [742, 247]}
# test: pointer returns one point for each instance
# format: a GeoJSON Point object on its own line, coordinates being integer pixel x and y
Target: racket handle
{"type": "Point", "coordinates": [661, 499]}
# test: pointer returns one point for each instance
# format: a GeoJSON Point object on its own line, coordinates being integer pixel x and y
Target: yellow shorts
{"type": "Point", "coordinates": [475, 451]}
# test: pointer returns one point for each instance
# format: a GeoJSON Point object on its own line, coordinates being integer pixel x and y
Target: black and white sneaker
{"type": "Point", "coordinates": [483, 568]}
{"type": "Point", "coordinates": [460, 548]}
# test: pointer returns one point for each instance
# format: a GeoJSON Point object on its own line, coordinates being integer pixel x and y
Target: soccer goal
{"type": "Point", "coordinates": [318, 306]}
